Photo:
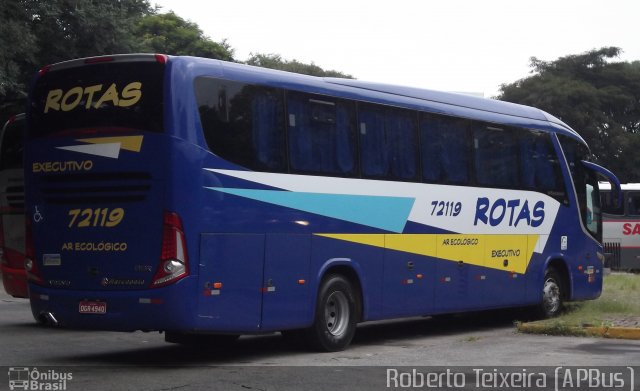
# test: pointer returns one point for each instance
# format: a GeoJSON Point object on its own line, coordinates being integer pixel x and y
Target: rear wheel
{"type": "Point", "coordinates": [552, 294]}
{"type": "Point", "coordinates": [336, 315]}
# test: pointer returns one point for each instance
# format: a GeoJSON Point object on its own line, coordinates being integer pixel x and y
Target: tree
{"type": "Point", "coordinates": [39, 32]}
{"type": "Point", "coordinates": [170, 34]}
{"type": "Point", "coordinates": [17, 47]}
{"type": "Point", "coordinates": [275, 61]}
{"type": "Point", "coordinates": [598, 97]}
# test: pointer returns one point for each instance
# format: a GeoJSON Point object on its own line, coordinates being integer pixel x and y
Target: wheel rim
{"type": "Point", "coordinates": [551, 296]}
{"type": "Point", "coordinates": [336, 313]}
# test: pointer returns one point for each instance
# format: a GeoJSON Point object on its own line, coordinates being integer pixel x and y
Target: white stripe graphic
{"type": "Point", "coordinates": [110, 150]}
{"type": "Point", "coordinates": [428, 201]}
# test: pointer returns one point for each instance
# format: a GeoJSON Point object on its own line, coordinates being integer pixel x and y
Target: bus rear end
{"type": "Point", "coordinates": [103, 251]}
{"type": "Point", "coordinates": [12, 224]}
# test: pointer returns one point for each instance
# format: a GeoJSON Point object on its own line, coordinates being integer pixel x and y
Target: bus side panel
{"type": "Point", "coordinates": [366, 261]}
{"type": "Point", "coordinates": [535, 271]}
{"type": "Point", "coordinates": [586, 270]}
{"type": "Point", "coordinates": [452, 287]}
{"type": "Point", "coordinates": [630, 259]}
{"type": "Point", "coordinates": [408, 284]}
{"type": "Point", "coordinates": [286, 285]}
{"type": "Point", "coordinates": [230, 280]}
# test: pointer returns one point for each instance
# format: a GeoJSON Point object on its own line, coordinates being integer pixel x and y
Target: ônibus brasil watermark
{"type": "Point", "coordinates": [510, 378]}
{"type": "Point", "coordinates": [24, 378]}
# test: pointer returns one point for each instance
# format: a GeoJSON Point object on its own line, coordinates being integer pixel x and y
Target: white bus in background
{"type": "Point", "coordinates": [621, 228]}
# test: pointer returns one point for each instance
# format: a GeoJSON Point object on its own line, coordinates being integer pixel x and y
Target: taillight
{"type": "Point", "coordinates": [30, 264]}
{"type": "Point", "coordinates": [3, 259]}
{"type": "Point", "coordinates": [174, 263]}
{"type": "Point", "coordinates": [44, 70]}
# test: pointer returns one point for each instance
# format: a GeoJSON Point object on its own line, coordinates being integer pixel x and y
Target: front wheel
{"type": "Point", "coordinates": [552, 295]}
{"type": "Point", "coordinates": [335, 319]}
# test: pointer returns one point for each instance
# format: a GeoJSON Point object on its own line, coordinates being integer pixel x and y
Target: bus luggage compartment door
{"type": "Point", "coordinates": [287, 282]}
{"type": "Point", "coordinates": [230, 280]}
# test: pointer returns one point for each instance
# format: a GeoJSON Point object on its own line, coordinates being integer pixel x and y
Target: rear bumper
{"type": "Point", "coordinates": [15, 281]}
{"type": "Point", "coordinates": [168, 308]}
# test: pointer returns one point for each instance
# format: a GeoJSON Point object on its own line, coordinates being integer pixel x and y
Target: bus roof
{"type": "Point", "coordinates": [446, 103]}
{"type": "Point", "coordinates": [625, 186]}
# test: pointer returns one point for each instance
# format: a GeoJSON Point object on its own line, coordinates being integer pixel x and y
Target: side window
{"type": "Point", "coordinates": [321, 135]}
{"type": "Point", "coordinates": [633, 204]}
{"type": "Point", "coordinates": [445, 147]}
{"type": "Point", "coordinates": [496, 156]}
{"type": "Point", "coordinates": [243, 123]}
{"type": "Point", "coordinates": [608, 204]}
{"type": "Point", "coordinates": [540, 165]}
{"type": "Point", "coordinates": [388, 143]}
{"type": "Point", "coordinates": [593, 214]}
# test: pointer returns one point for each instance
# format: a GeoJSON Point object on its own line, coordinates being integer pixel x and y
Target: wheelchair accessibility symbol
{"type": "Point", "coordinates": [37, 216]}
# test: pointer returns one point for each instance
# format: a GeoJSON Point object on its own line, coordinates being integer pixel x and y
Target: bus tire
{"type": "Point", "coordinates": [336, 317]}
{"type": "Point", "coordinates": [552, 294]}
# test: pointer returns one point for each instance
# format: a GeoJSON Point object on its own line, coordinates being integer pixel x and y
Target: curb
{"type": "Point", "coordinates": [604, 332]}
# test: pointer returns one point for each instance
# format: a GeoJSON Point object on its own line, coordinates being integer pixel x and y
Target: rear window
{"type": "Point", "coordinates": [12, 145]}
{"type": "Point", "coordinates": [113, 95]}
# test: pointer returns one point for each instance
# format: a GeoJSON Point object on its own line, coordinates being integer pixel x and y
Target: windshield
{"type": "Point", "coordinates": [586, 185]}
{"type": "Point", "coordinates": [116, 95]}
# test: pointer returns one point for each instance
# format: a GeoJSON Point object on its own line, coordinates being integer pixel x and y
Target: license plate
{"type": "Point", "coordinates": [93, 307]}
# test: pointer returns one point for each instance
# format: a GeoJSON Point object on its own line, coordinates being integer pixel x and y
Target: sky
{"type": "Point", "coordinates": [469, 46]}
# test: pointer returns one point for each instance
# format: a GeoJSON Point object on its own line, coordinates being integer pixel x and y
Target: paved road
{"type": "Point", "coordinates": [143, 361]}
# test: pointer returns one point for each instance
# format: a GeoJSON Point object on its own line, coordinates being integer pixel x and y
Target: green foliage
{"type": "Point", "coordinates": [67, 29]}
{"type": "Point", "coordinates": [275, 61]}
{"type": "Point", "coordinates": [170, 34]}
{"type": "Point", "coordinates": [17, 46]}
{"type": "Point", "coordinates": [598, 97]}
{"type": "Point", "coordinates": [34, 33]}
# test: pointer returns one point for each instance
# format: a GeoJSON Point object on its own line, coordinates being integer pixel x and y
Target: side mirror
{"type": "Point", "coordinates": [616, 188]}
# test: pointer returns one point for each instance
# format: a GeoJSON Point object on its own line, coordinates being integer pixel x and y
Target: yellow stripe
{"type": "Point", "coordinates": [500, 252]}
{"type": "Point", "coordinates": [130, 143]}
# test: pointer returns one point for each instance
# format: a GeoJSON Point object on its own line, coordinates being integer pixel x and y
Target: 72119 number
{"type": "Point", "coordinates": [99, 217]}
{"type": "Point", "coordinates": [446, 208]}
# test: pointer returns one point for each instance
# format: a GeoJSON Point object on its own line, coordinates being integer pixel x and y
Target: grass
{"type": "Point", "coordinates": [620, 300]}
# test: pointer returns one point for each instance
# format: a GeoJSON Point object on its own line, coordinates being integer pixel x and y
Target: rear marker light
{"type": "Point", "coordinates": [161, 58]}
{"type": "Point", "coordinates": [44, 70]}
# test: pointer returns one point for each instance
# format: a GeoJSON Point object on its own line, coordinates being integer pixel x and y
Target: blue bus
{"type": "Point", "coordinates": [200, 197]}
